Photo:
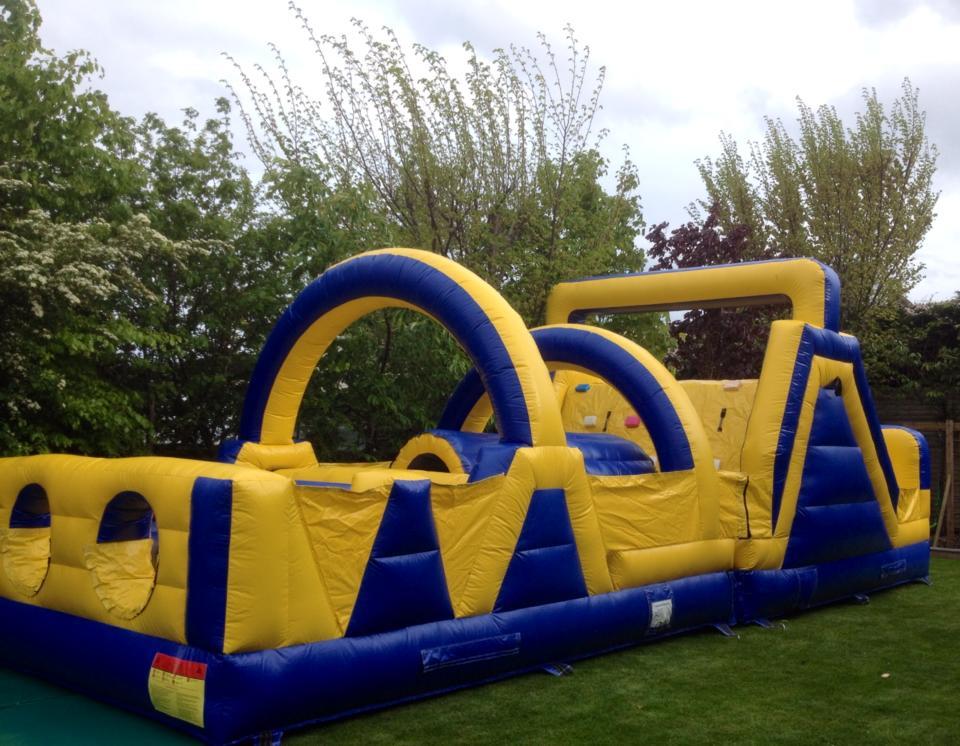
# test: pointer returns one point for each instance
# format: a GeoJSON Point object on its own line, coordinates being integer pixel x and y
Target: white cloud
{"type": "Point", "coordinates": [941, 251]}
{"type": "Point", "coordinates": [678, 72]}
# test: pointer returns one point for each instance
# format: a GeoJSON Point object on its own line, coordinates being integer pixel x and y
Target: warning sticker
{"type": "Point", "coordinates": [661, 612]}
{"type": "Point", "coordinates": [177, 687]}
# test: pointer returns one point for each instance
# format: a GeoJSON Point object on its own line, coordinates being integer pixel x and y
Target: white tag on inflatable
{"type": "Point", "coordinates": [661, 612]}
{"type": "Point", "coordinates": [590, 420]}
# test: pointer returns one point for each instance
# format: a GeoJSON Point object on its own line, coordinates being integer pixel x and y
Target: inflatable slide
{"type": "Point", "coordinates": [611, 505]}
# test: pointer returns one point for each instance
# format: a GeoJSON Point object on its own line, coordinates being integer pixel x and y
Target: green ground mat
{"type": "Point", "coordinates": [32, 712]}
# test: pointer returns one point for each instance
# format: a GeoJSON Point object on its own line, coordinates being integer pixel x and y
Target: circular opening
{"type": "Point", "coordinates": [475, 314]}
{"type": "Point", "coordinates": [429, 462]}
{"type": "Point", "coordinates": [125, 558]}
{"type": "Point", "coordinates": [26, 543]}
{"type": "Point", "coordinates": [382, 381]}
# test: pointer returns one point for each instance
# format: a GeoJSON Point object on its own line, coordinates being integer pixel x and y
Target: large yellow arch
{"type": "Point", "coordinates": [491, 332]}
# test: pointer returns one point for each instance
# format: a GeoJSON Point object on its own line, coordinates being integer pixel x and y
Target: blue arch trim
{"type": "Point", "coordinates": [831, 297]}
{"type": "Point", "coordinates": [464, 397]}
{"type": "Point", "coordinates": [596, 353]}
{"type": "Point", "coordinates": [827, 344]}
{"type": "Point", "coordinates": [412, 281]}
{"type": "Point", "coordinates": [831, 286]}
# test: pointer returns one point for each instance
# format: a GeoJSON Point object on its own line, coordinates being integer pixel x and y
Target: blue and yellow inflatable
{"type": "Point", "coordinates": [614, 505]}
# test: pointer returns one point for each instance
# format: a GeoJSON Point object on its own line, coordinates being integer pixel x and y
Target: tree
{"type": "Point", "coordinates": [138, 290]}
{"type": "Point", "coordinates": [60, 138]}
{"type": "Point", "coordinates": [498, 170]}
{"type": "Point", "coordinates": [859, 198]}
{"type": "Point", "coordinates": [713, 343]}
{"type": "Point", "coordinates": [135, 298]}
{"type": "Point", "coordinates": [212, 302]}
{"type": "Point", "coordinates": [918, 352]}
{"type": "Point", "coordinates": [141, 269]}
{"type": "Point", "coordinates": [70, 244]}
{"type": "Point", "coordinates": [59, 332]}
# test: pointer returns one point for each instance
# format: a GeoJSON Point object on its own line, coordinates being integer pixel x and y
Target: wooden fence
{"type": "Point", "coordinates": [938, 424]}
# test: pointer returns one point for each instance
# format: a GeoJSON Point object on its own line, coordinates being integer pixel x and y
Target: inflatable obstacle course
{"type": "Point", "coordinates": [613, 505]}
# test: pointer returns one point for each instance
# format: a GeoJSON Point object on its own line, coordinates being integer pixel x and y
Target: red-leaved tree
{"type": "Point", "coordinates": [713, 343]}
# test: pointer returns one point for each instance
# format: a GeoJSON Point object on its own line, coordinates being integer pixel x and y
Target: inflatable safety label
{"type": "Point", "coordinates": [177, 687]}
{"type": "Point", "coordinates": [661, 612]}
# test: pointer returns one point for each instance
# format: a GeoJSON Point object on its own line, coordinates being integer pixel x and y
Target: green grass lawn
{"type": "Point", "coordinates": [817, 681]}
{"type": "Point", "coordinates": [820, 680]}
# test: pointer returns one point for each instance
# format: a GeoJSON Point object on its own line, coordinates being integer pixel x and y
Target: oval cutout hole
{"type": "Point", "coordinates": [25, 543]}
{"type": "Point", "coordinates": [125, 558]}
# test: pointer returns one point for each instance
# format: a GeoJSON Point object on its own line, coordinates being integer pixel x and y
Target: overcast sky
{"type": "Point", "coordinates": [678, 72]}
